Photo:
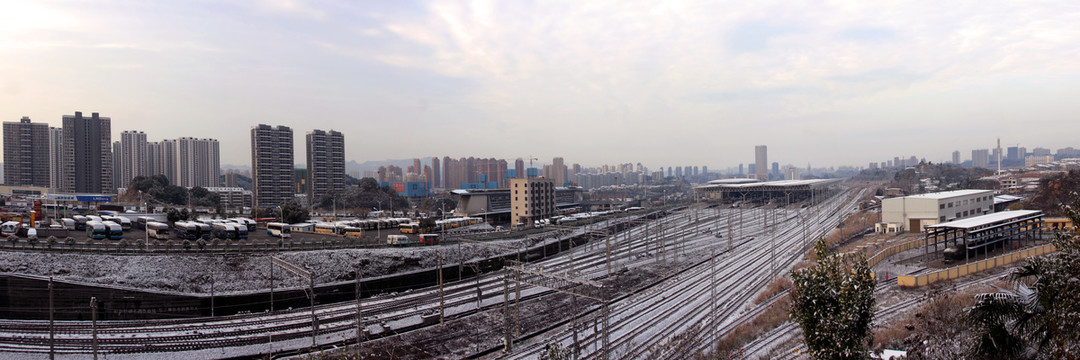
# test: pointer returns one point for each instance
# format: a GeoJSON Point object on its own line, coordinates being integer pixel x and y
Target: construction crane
{"type": "Point", "coordinates": [531, 158]}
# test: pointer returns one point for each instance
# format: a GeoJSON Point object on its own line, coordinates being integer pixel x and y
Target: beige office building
{"type": "Point", "coordinates": [531, 199]}
{"type": "Point", "coordinates": [914, 213]}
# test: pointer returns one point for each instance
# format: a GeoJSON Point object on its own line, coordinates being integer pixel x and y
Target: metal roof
{"type": "Point", "coordinates": [733, 181]}
{"type": "Point", "coordinates": [969, 223]}
{"type": "Point", "coordinates": [948, 194]}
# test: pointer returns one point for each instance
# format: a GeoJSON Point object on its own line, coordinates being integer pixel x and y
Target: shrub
{"type": "Point", "coordinates": [52, 242]}
{"type": "Point", "coordinates": [187, 245]}
{"type": "Point", "coordinates": [70, 241]}
{"type": "Point", "coordinates": [201, 244]}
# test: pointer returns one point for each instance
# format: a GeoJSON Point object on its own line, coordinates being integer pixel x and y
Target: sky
{"type": "Point", "coordinates": [663, 83]}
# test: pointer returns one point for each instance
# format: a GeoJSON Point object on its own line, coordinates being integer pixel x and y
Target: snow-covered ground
{"type": "Point", "coordinates": [190, 274]}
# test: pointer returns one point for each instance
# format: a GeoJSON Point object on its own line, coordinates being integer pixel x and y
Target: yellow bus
{"type": "Point", "coordinates": [410, 228]}
{"type": "Point", "coordinates": [325, 228]}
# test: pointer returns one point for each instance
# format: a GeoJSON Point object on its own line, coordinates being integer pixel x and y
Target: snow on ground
{"type": "Point", "coordinates": [190, 274]}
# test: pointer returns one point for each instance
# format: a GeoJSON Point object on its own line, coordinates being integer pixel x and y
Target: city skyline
{"type": "Point", "coordinates": [813, 80]}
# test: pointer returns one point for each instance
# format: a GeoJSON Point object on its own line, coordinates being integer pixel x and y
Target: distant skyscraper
{"type": "Point", "coordinates": [761, 162]}
{"type": "Point", "coordinates": [133, 159]}
{"type": "Point", "coordinates": [198, 162]}
{"type": "Point", "coordinates": [26, 153]}
{"type": "Point", "coordinates": [116, 148]}
{"type": "Point", "coordinates": [558, 171]}
{"type": "Point", "coordinates": [56, 156]}
{"type": "Point", "coordinates": [519, 168]}
{"type": "Point", "coordinates": [1012, 153]}
{"type": "Point", "coordinates": [980, 158]}
{"type": "Point", "coordinates": [87, 160]}
{"type": "Point", "coordinates": [272, 165]}
{"type": "Point", "coordinates": [741, 172]}
{"type": "Point", "coordinates": [776, 168]}
{"type": "Point", "coordinates": [956, 157]}
{"type": "Point", "coordinates": [436, 173]}
{"type": "Point", "coordinates": [325, 163]}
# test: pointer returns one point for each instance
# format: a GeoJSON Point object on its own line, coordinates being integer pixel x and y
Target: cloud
{"type": "Point", "coordinates": [870, 35]}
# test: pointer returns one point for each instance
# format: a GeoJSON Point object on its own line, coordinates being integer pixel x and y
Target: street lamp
{"type": "Point", "coordinates": [146, 242]}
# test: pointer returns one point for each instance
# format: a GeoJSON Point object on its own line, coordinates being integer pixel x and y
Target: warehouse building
{"type": "Point", "coordinates": [914, 213]}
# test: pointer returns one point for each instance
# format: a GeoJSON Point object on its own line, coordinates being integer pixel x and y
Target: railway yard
{"type": "Point", "coordinates": [657, 284]}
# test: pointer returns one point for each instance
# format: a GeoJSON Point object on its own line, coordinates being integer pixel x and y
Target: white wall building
{"type": "Point", "coordinates": [914, 213]}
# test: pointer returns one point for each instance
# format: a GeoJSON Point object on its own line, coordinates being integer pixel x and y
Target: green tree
{"type": "Point", "coordinates": [1041, 318]}
{"type": "Point", "coordinates": [292, 213]}
{"type": "Point", "coordinates": [833, 303]}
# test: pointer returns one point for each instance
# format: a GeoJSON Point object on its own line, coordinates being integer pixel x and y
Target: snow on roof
{"type": "Point", "coordinates": [1005, 198]}
{"type": "Point", "coordinates": [734, 181]}
{"type": "Point", "coordinates": [948, 194]}
{"type": "Point", "coordinates": [986, 219]}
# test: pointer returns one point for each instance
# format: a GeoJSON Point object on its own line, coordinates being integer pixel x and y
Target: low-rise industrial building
{"type": "Point", "coordinates": [914, 213]}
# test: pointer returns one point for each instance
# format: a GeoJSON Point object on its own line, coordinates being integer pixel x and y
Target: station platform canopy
{"type": "Point", "coordinates": [988, 220]}
{"type": "Point", "coordinates": [793, 190]}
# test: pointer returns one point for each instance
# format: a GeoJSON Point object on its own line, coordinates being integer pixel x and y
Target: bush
{"type": "Point", "coordinates": [123, 244]}
{"type": "Point", "coordinates": [140, 244]}
{"type": "Point", "coordinates": [168, 244]}
{"type": "Point", "coordinates": [32, 241]}
{"type": "Point", "coordinates": [70, 241]}
{"type": "Point", "coordinates": [187, 245]}
{"type": "Point", "coordinates": [201, 244]}
{"type": "Point", "coordinates": [52, 242]}
{"type": "Point", "coordinates": [13, 240]}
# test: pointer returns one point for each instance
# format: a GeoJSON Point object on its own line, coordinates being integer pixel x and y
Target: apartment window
{"type": "Point", "coordinates": [942, 206]}
{"type": "Point", "coordinates": [950, 204]}
{"type": "Point", "coordinates": [958, 215]}
{"type": "Point", "coordinates": [942, 219]}
{"type": "Point", "coordinates": [965, 213]}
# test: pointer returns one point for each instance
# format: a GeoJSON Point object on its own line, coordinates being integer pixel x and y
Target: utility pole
{"type": "Point", "coordinates": [93, 324]}
{"type": "Point", "coordinates": [359, 332]}
{"type": "Point", "coordinates": [52, 329]}
{"type": "Point", "coordinates": [442, 301]}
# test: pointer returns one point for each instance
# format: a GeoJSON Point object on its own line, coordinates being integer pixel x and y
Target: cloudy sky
{"type": "Point", "coordinates": [597, 82]}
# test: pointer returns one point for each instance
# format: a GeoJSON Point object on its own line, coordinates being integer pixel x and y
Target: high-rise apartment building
{"type": "Point", "coordinates": [26, 153]}
{"type": "Point", "coordinates": [980, 158]}
{"type": "Point", "coordinates": [271, 165]}
{"type": "Point", "coordinates": [198, 162]}
{"type": "Point", "coordinates": [133, 159]}
{"type": "Point", "coordinates": [436, 173]}
{"type": "Point", "coordinates": [325, 163]}
{"type": "Point", "coordinates": [56, 156]}
{"type": "Point", "coordinates": [761, 162]}
{"type": "Point", "coordinates": [116, 162]}
{"type": "Point", "coordinates": [87, 160]}
{"type": "Point", "coordinates": [558, 171]}
{"type": "Point", "coordinates": [519, 168]}
{"type": "Point", "coordinates": [956, 157]}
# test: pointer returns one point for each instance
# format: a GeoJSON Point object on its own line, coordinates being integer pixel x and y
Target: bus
{"type": "Point", "coordinates": [124, 222]}
{"type": "Point", "coordinates": [68, 223]}
{"type": "Point", "coordinates": [80, 222]}
{"type": "Point", "coordinates": [186, 230]}
{"type": "Point", "coordinates": [352, 232]}
{"type": "Point", "coordinates": [248, 223]}
{"type": "Point", "coordinates": [410, 228]}
{"type": "Point", "coordinates": [9, 228]}
{"type": "Point", "coordinates": [429, 238]}
{"type": "Point", "coordinates": [157, 230]}
{"type": "Point", "coordinates": [279, 230]}
{"type": "Point", "coordinates": [96, 230]}
{"type": "Point", "coordinates": [116, 232]}
{"type": "Point", "coordinates": [140, 222]}
{"type": "Point", "coordinates": [225, 231]}
{"type": "Point", "coordinates": [325, 228]}
{"type": "Point", "coordinates": [205, 231]}
{"type": "Point", "coordinates": [397, 240]}
{"type": "Point", "coordinates": [241, 230]}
